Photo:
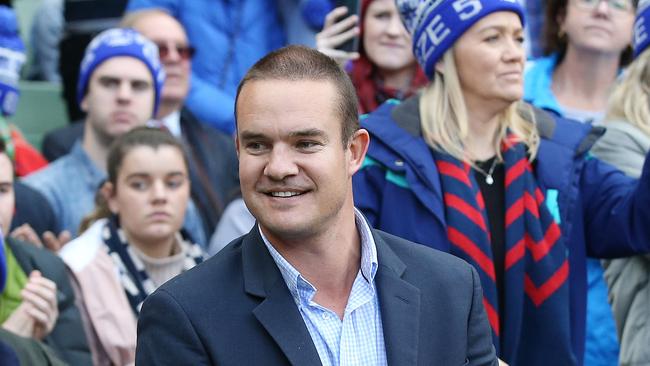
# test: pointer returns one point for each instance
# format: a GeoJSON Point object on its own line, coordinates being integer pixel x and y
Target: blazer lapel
{"type": "Point", "coordinates": [400, 307]}
{"type": "Point", "coordinates": [277, 312]}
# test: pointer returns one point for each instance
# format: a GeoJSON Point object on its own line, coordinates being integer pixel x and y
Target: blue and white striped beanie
{"type": "Point", "coordinates": [121, 42]}
{"type": "Point", "coordinates": [436, 24]}
{"type": "Point", "coordinates": [642, 27]}
{"type": "Point", "coordinates": [12, 57]}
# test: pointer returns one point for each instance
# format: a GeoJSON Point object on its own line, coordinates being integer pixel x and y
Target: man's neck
{"type": "Point", "coordinates": [168, 107]}
{"type": "Point", "coordinates": [95, 147]}
{"type": "Point", "coordinates": [329, 261]}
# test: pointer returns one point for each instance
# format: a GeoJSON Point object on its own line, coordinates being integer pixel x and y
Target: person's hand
{"type": "Point", "coordinates": [501, 363]}
{"type": "Point", "coordinates": [39, 294]}
{"type": "Point", "coordinates": [335, 33]}
{"type": "Point", "coordinates": [27, 234]}
{"type": "Point", "coordinates": [55, 243]}
{"type": "Point", "coordinates": [20, 322]}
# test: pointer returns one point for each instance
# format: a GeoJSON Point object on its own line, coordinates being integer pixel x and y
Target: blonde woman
{"type": "Point", "coordinates": [467, 168]}
{"type": "Point", "coordinates": [625, 145]}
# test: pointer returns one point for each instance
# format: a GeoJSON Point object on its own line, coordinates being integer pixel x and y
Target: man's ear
{"type": "Point", "coordinates": [84, 103]}
{"type": "Point", "coordinates": [358, 147]}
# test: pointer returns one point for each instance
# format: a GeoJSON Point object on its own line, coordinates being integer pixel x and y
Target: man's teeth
{"type": "Point", "coordinates": [284, 194]}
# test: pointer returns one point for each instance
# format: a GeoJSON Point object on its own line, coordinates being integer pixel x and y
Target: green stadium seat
{"type": "Point", "coordinates": [40, 110]}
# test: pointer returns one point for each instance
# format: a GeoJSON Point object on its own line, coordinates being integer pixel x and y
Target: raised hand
{"type": "Point", "coordinates": [336, 32]}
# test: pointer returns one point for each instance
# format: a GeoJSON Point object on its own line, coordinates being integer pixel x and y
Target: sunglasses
{"type": "Point", "coordinates": [184, 52]}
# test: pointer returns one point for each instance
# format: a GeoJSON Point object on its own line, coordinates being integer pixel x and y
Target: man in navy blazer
{"type": "Point", "coordinates": [312, 283]}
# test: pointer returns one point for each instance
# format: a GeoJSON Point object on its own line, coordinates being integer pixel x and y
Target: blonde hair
{"type": "Point", "coordinates": [445, 124]}
{"type": "Point", "coordinates": [630, 100]}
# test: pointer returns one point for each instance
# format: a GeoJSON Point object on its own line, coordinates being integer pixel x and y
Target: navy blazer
{"type": "Point", "coordinates": [235, 309]}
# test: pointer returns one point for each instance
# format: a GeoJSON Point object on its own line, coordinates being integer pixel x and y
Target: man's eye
{"type": "Point", "coordinates": [255, 147]}
{"type": "Point", "coordinates": [308, 145]}
{"type": "Point", "coordinates": [109, 83]}
{"type": "Point", "coordinates": [140, 85]}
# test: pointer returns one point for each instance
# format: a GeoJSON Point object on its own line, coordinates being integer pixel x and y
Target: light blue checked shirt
{"type": "Point", "coordinates": [359, 338]}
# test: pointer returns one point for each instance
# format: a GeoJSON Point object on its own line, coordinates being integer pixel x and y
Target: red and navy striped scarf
{"type": "Point", "coordinates": [535, 315]}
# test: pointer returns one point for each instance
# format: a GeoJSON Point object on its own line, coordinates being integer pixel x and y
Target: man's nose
{"type": "Point", "coordinates": [124, 91]}
{"type": "Point", "coordinates": [280, 164]}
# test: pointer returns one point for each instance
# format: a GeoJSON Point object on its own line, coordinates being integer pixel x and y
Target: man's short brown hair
{"type": "Point", "coordinates": [297, 63]}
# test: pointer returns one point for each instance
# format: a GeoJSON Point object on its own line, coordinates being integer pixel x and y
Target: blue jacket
{"type": "Point", "coordinates": [537, 83]}
{"type": "Point", "coordinates": [399, 190]}
{"type": "Point", "coordinates": [602, 344]}
{"type": "Point", "coordinates": [229, 37]}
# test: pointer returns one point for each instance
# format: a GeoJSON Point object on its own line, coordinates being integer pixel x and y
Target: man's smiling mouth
{"type": "Point", "coordinates": [285, 194]}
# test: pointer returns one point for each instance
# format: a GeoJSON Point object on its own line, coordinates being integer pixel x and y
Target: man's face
{"type": "Point", "coordinates": [7, 198]}
{"type": "Point", "coordinates": [294, 171]}
{"type": "Point", "coordinates": [175, 54]}
{"type": "Point", "coordinates": [120, 97]}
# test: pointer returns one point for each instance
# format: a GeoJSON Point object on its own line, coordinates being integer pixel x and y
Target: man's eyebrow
{"type": "Point", "coordinates": [311, 132]}
{"type": "Point", "coordinates": [250, 135]}
{"type": "Point", "coordinates": [106, 78]}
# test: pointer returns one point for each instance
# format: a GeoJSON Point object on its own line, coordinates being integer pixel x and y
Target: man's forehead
{"type": "Point", "coordinates": [123, 67]}
{"type": "Point", "coordinates": [292, 132]}
{"type": "Point", "coordinates": [270, 91]}
{"type": "Point", "coordinates": [273, 83]}
{"type": "Point", "coordinates": [292, 104]}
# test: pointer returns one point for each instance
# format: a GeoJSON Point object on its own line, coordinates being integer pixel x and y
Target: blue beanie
{"type": "Point", "coordinates": [12, 57]}
{"type": "Point", "coordinates": [121, 42]}
{"type": "Point", "coordinates": [641, 27]}
{"type": "Point", "coordinates": [436, 24]}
